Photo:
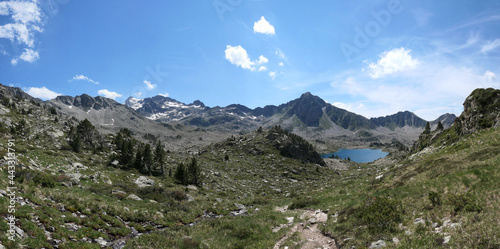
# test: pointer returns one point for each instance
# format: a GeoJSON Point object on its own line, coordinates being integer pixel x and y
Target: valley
{"type": "Point", "coordinates": [157, 173]}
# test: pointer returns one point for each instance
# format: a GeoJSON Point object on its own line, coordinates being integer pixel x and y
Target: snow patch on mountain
{"type": "Point", "coordinates": [134, 103]}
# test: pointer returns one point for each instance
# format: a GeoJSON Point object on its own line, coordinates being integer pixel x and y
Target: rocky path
{"type": "Point", "coordinates": [307, 228]}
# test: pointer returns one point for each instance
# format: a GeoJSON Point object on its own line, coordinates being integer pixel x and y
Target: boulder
{"type": "Point", "coordinates": [114, 192]}
{"type": "Point", "coordinates": [134, 197]}
{"type": "Point", "coordinates": [312, 221]}
{"type": "Point", "coordinates": [446, 239]}
{"type": "Point", "coordinates": [395, 240]}
{"type": "Point", "coordinates": [78, 166]}
{"type": "Point", "coordinates": [102, 242]}
{"type": "Point", "coordinates": [378, 244]}
{"type": "Point", "coordinates": [74, 178]}
{"type": "Point", "coordinates": [419, 221]}
{"type": "Point", "coordinates": [143, 181]}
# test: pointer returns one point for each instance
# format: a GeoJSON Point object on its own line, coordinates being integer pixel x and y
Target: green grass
{"type": "Point", "coordinates": [463, 173]}
{"type": "Point", "coordinates": [465, 177]}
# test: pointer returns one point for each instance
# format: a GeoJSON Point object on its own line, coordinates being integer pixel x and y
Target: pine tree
{"type": "Point", "coordinates": [147, 159]}
{"type": "Point", "coordinates": [138, 163]}
{"type": "Point", "coordinates": [159, 157]}
{"type": "Point", "coordinates": [119, 141]}
{"type": "Point", "coordinates": [194, 172]}
{"type": "Point", "coordinates": [440, 126]}
{"type": "Point", "coordinates": [86, 131]}
{"type": "Point", "coordinates": [76, 144]}
{"type": "Point", "coordinates": [127, 153]}
{"type": "Point", "coordinates": [427, 129]}
{"type": "Point", "coordinates": [180, 174]}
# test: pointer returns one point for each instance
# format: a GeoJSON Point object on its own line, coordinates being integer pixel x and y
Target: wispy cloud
{"type": "Point", "coordinates": [263, 27]}
{"type": "Point", "coordinates": [84, 78]}
{"type": "Point", "coordinates": [27, 19]}
{"type": "Point", "coordinates": [482, 18]}
{"type": "Point", "coordinates": [42, 93]}
{"type": "Point", "coordinates": [25, 22]}
{"type": "Point", "coordinates": [422, 16]}
{"type": "Point", "coordinates": [108, 94]}
{"type": "Point", "coordinates": [490, 45]}
{"type": "Point", "coordinates": [433, 88]}
{"type": "Point", "coordinates": [273, 74]}
{"type": "Point", "coordinates": [29, 55]}
{"type": "Point", "coordinates": [149, 85]}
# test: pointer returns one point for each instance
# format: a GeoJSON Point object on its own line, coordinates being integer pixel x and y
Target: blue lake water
{"type": "Point", "coordinates": [359, 155]}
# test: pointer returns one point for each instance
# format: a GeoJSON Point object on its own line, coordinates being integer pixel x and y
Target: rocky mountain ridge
{"type": "Point", "coordinates": [308, 109]}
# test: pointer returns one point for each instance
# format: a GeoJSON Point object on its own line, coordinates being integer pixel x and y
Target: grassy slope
{"type": "Point", "coordinates": [257, 176]}
{"type": "Point", "coordinates": [466, 178]}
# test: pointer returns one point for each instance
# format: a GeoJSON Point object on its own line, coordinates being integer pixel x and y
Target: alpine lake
{"type": "Point", "coordinates": [358, 155]}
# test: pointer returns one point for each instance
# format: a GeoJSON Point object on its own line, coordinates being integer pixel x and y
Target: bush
{"type": "Point", "coordinates": [45, 180]}
{"type": "Point", "coordinates": [100, 189]}
{"type": "Point", "coordinates": [466, 202]}
{"type": "Point", "coordinates": [36, 177]}
{"type": "Point", "coordinates": [434, 198]}
{"type": "Point", "coordinates": [380, 214]}
{"type": "Point", "coordinates": [159, 194]}
{"type": "Point", "coordinates": [302, 202]}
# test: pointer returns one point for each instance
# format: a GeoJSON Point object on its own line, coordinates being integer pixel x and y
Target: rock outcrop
{"type": "Point", "coordinates": [481, 111]}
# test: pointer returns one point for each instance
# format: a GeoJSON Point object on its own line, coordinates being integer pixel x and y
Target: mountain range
{"type": "Point", "coordinates": [196, 124]}
{"type": "Point", "coordinates": [309, 110]}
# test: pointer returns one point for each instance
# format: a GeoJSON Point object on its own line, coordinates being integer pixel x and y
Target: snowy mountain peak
{"type": "Point", "coordinates": [134, 103]}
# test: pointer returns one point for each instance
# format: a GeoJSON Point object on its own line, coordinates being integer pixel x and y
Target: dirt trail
{"type": "Point", "coordinates": [311, 236]}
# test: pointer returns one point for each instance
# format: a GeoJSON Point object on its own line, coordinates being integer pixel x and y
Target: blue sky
{"type": "Point", "coordinates": [370, 57]}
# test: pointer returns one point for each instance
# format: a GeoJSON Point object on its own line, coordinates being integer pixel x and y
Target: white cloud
{"type": "Point", "coordinates": [490, 45]}
{"type": "Point", "coordinates": [262, 68]}
{"type": "Point", "coordinates": [391, 62]}
{"type": "Point", "coordinates": [85, 78]}
{"type": "Point", "coordinates": [281, 64]}
{"type": "Point", "coordinates": [27, 19]}
{"type": "Point", "coordinates": [489, 76]}
{"type": "Point", "coordinates": [138, 94]}
{"type": "Point", "coordinates": [272, 75]}
{"type": "Point", "coordinates": [262, 60]}
{"type": "Point", "coordinates": [164, 94]}
{"type": "Point", "coordinates": [149, 85]}
{"type": "Point", "coordinates": [29, 55]}
{"type": "Point", "coordinates": [263, 27]}
{"type": "Point", "coordinates": [42, 93]}
{"type": "Point", "coordinates": [108, 94]}
{"type": "Point", "coordinates": [425, 91]}
{"type": "Point", "coordinates": [238, 56]}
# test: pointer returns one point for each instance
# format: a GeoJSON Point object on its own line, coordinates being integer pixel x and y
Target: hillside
{"type": "Point", "coordinates": [81, 185]}
{"type": "Point", "coordinates": [91, 198]}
